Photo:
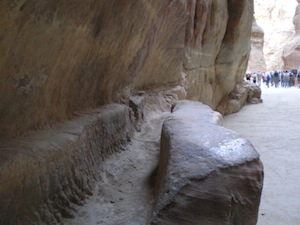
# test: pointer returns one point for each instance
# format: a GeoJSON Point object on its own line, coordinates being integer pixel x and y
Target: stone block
{"type": "Point", "coordinates": [207, 174]}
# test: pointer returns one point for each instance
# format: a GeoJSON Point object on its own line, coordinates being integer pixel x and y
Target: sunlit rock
{"type": "Point", "coordinates": [257, 59]}
{"type": "Point", "coordinates": [291, 51]}
{"type": "Point", "coordinates": [275, 17]}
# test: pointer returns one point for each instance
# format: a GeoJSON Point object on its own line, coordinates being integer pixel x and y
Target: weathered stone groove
{"type": "Point", "coordinates": [44, 174]}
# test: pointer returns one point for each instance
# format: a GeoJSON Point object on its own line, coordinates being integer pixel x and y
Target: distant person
{"type": "Point", "coordinates": [254, 78]}
{"type": "Point", "coordinates": [259, 76]}
{"type": "Point", "coordinates": [295, 72]}
{"type": "Point", "coordinates": [268, 78]}
{"type": "Point", "coordinates": [286, 78]}
{"type": "Point", "coordinates": [276, 78]}
{"type": "Point", "coordinates": [248, 76]}
{"type": "Point", "coordinates": [272, 78]}
{"type": "Point", "coordinates": [281, 78]}
{"type": "Point", "coordinates": [291, 79]}
{"type": "Point", "coordinates": [298, 77]}
{"type": "Point", "coordinates": [263, 77]}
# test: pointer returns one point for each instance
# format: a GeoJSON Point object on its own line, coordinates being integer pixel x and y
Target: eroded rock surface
{"type": "Point", "coordinates": [58, 57]}
{"type": "Point", "coordinates": [276, 19]}
{"type": "Point", "coordinates": [217, 48]}
{"type": "Point", "coordinates": [257, 59]}
{"type": "Point", "coordinates": [244, 93]}
{"type": "Point", "coordinates": [207, 174]}
{"type": "Point", "coordinates": [44, 175]}
{"type": "Point", "coordinates": [291, 51]}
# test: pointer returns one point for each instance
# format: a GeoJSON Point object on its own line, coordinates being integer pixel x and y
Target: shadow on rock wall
{"type": "Point", "coordinates": [59, 57]}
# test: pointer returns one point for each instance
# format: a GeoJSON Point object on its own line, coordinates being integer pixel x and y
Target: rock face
{"type": "Point", "coordinates": [244, 93]}
{"type": "Point", "coordinates": [58, 57]}
{"type": "Point", "coordinates": [291, 52]}
{"type": "Point", "coordinates": [44, 175]}
{"type": "Point", "coordinates": [61, 59]}
{"type": "Point", "coordinates": [276, 19]}
{"type": "Point", "coordinates": [257, 59]}
{"type": "Point", "coordinates": [217, 50]}
{"type": "Point", "coordinates": [207, 174]}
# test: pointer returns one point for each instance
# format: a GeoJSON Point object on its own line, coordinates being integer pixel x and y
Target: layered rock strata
{"type": "Point", "coordinates": [44, 175]}
{"type": "Point", "coordinates": [207, 174]}
{"type": "Point", "coordinates": [291, 51]}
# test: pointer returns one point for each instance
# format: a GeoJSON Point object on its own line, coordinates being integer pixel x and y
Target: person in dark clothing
{"type": "Point", "coordinates": [268, 78]}
{"type": "Point", "coordinates": [248, 76]}
{"type": "Point", "coordinates": [276, 78]}
{"type": "Point", "coordinates": [254, 76]}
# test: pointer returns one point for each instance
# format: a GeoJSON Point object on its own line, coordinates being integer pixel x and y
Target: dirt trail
{"type": "Point", "coordinates": [274, 129]}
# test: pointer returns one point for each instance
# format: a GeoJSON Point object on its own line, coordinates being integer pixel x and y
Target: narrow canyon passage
{"type": "Point", "coordinates": [273, 128]}
{"type": "Point", "coordinates": [123, 195]}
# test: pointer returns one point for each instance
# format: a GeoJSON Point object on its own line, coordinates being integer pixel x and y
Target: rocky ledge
{"type": "Point", "coordinates": [243, 93]}
{"type": "Point", "coordinates": [206, 173]}
{"type": "Point", "coordinates": [45, 174]}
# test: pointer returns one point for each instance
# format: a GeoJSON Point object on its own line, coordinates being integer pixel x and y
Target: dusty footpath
{"type": "Point", "coordinates": [273, 127]}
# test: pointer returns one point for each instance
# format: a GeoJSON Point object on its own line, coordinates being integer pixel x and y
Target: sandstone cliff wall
{"type": "Point", "coordinates": [59, 57]}
{"type": "Point", "coordinates": [61, 60]}
{"type": "Point", "coordinates": [276, 19]}
{"type": "Point", "coordinates": [291, 51]}
{"type": "Point", "coordinates": [257, 59]}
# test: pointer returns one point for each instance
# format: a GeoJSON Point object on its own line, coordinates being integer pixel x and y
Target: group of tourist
{"type": "Point", "coordinates": [275, 78]}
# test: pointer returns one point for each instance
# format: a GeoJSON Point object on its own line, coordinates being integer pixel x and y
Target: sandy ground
{"type": "Point", "coordinates": [273, 127]}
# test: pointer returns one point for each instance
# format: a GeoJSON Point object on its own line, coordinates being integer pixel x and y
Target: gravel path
{"type": "Point", "coordinates": [274, 129]}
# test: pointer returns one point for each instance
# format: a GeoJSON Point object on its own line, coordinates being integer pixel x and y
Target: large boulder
{"type": "Point", "coordinates": [206, 173]}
